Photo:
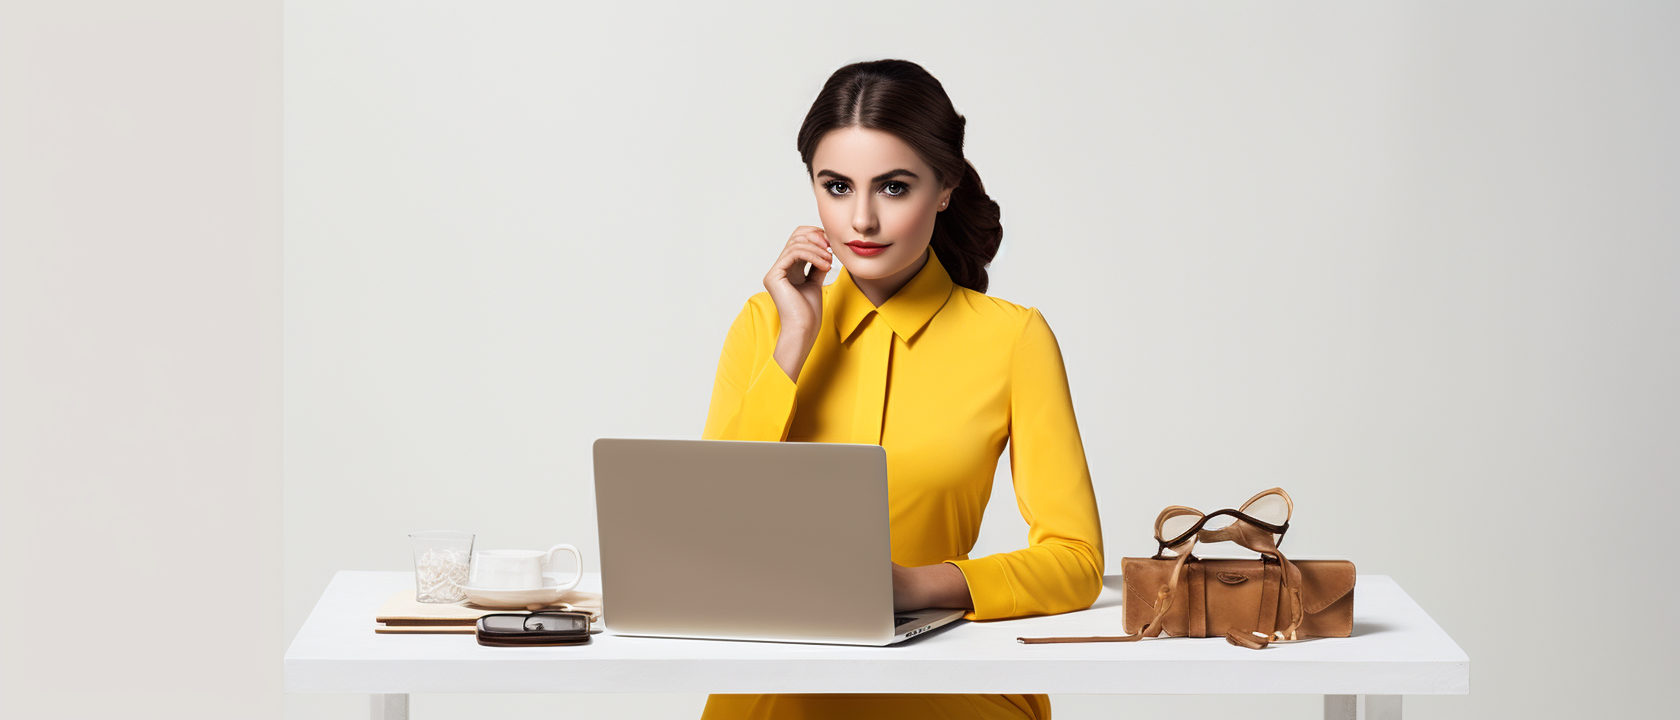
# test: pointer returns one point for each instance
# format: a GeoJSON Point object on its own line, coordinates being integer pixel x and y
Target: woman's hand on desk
{"type": "Point", "coordinates": [938, 585]}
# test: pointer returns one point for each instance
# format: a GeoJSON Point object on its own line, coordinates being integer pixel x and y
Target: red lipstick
{"type": "Point", "coordinates": [865, 249]}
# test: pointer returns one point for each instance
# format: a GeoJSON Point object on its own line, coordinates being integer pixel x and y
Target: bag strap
{"type": "Point", "coordinates": [1285, 581]}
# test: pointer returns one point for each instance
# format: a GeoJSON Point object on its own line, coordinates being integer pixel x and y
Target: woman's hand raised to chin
{"type": "Point", "coordinates": [798, 294]}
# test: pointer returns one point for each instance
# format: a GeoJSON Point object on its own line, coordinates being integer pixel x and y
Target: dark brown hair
{"type": "Point", "coordinates": [899, 97]}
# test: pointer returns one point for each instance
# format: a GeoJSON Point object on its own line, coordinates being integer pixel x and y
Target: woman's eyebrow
{"type": "Point", "coordinates": [888, 175]}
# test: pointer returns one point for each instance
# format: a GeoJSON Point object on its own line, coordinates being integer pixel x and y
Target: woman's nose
{"type": "Point", "coordinates": [863, 218]}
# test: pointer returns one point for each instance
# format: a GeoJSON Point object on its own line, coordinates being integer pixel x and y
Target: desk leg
{"type": "Point", "coordinates": [1362, 707]}
{"type": "Point", "coordinates": [393, 707]}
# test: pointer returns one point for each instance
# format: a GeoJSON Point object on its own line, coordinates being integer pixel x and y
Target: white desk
{"type": "Point", "coordinates": [1396, 650]}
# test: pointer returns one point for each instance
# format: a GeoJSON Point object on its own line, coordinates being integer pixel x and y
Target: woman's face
{"type": "Point", "coordinates": [873, 190]}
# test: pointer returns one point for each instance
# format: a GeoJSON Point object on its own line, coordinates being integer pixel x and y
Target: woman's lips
{"type": "Point", "coordinates": [866, 249]}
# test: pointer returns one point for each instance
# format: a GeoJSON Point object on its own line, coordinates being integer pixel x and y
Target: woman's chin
{"type": "Point", "coordinates": [876, 267]}
{"type": "Point", "coordinates": [867, 270]}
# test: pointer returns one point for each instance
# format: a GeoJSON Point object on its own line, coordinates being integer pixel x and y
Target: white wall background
{"type": "Point", "coordinates": [1413, 262]}
{"type": "Point", "coordinates": [140, 359]}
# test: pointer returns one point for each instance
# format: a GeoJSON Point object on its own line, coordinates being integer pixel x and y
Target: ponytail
{"type": "Point", "coordinates": [967, 233]}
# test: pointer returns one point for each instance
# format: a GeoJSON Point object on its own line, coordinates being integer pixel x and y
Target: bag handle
{"type": "Point", "coordinates": [1260, 541]}
{"type": "Point", "coordinates": [1164, 545]}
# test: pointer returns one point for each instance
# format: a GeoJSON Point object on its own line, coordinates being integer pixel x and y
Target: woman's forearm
{"type": "Point", "coordinates": [940, 585]}
{"type": "Point", "coordinates": [792, 347]}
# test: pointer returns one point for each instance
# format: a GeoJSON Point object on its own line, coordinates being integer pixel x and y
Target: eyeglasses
{"type": "Point", "coordinates": [546, 627]}
{"type": "Point", "coordinates": [1178, 525]}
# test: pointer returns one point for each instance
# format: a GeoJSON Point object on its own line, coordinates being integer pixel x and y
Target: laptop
{"type": "Point", "coordinates": [747, 540]}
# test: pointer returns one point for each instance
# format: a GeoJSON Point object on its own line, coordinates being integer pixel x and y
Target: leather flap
{"type": "Point", "coordinates": [1324, 582]}
{"type": "Point", "coordinates": [1143, 578]}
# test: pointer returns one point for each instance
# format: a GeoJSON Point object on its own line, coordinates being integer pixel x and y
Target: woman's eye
{"type": "Point", "coordinates": [901, 188]}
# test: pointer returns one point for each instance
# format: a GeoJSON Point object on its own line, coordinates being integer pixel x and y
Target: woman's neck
{"type": "Point", "coordinates": [878, 290]}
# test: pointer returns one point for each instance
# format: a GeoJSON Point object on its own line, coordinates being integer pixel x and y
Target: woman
{"type": "Point", "coordinates": [905, 350]}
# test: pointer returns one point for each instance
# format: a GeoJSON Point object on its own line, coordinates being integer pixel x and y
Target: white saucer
{"type": "Point", "coordinates": [529, 598]}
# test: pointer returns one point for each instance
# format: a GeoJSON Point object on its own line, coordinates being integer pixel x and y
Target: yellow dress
{"type": "Point", "coordinates": [941, 377]}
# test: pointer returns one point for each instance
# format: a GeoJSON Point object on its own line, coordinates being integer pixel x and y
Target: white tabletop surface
{"type": "Point", "coordinates": [1396, 649]}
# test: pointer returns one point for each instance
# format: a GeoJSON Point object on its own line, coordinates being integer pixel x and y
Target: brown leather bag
{"type": "Point", "coordinates": [1250, 602]}
{"type": "Point", "coordinates": [1219, 596]}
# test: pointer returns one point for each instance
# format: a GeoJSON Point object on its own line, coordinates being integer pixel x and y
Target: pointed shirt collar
{"type": "Point", "coordinates": [906, 312]}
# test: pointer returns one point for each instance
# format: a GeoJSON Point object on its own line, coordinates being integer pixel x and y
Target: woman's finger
{"type": "Point", "coordinates": [818, 272]}
{"type": "Point", "coordinates": [818, 244]}
{"type": "Point", "coordinates": [811, 234]}
{"type": "Point", "coordinates": [805, 253]}
{"type": "Point", "coordinates": [794, 272]}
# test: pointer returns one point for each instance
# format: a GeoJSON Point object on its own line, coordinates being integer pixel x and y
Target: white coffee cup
{"type": "Point", "coordinates": [519, 569]}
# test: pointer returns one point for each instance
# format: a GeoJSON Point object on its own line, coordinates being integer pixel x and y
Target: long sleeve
{"type": "Point", "coordinates": [752, 397]}
{"type": "Point", "coordinates": [1061, 569]}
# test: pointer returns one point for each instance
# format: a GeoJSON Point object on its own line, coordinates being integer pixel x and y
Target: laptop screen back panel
{"type": "Point", "coordinates": [784, 541]}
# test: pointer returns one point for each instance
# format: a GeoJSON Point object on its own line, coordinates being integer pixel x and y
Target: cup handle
{"type": "Point", "coordinates": [548, 561]}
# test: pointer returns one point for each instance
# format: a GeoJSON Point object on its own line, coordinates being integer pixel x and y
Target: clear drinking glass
{"type": "Point", "coordinates": [441, 561]}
